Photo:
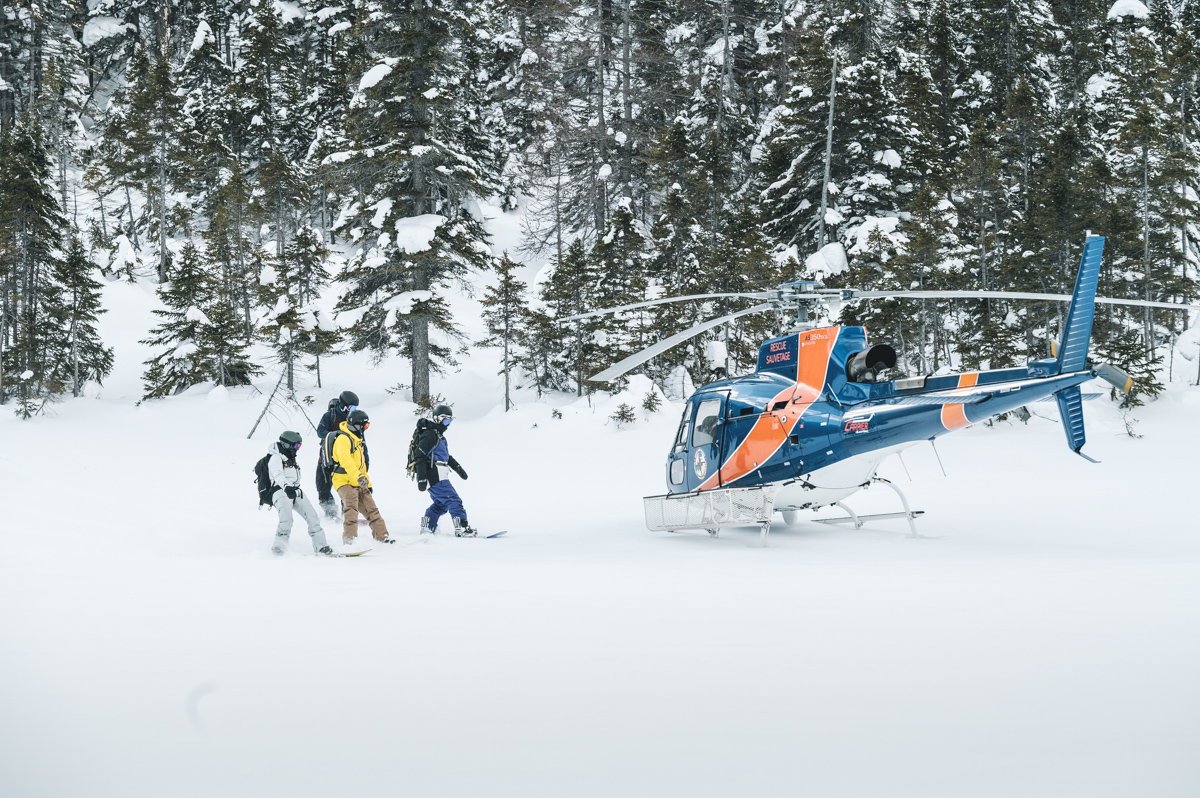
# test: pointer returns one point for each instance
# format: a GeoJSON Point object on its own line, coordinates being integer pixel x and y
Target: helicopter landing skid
{"type": "Point", "coordinates": [859, 520]}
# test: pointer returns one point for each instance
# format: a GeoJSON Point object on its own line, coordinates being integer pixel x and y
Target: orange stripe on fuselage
{"type": "Point", "coordinates": [968, 380]}
{"type": "Point", "coordinates": [954, 417]}
{"type": "Point", "coordinates": [773, 428]}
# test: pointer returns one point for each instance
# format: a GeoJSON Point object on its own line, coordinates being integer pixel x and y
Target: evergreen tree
{"type": "Point", "coordinates": [32, 335]}
{"type": "Point", "coordinates": [619, 259]}
{"type": "Point", "coordinates": [147, 126]}
{"type": "Point", "coordinates": [180, 334]}
{"type": "Point", "coordinates": [201, 332]}
{"type": "Point", "coordinates": [569, 349]}
{"type": "Point", "coordinates": [414, 161]}
{"type": "Point", "coordinates": [505, 315]}
{"type": "Point", "coordinates": [89, 358]}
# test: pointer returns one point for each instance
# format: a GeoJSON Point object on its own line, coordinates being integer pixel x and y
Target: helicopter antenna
{"type": "Point", "coordinates": [939, 457]}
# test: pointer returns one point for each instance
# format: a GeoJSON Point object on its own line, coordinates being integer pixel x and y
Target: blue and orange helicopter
{"type": "Point", "coordinates": [812, 423]}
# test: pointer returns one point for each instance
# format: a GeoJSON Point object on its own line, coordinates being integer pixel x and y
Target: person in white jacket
{"type": "Point", "coordinates": [287, 496]}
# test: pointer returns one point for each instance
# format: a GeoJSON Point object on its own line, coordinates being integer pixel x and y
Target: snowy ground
{"type": "Point", "coordinates": [1045, 642]}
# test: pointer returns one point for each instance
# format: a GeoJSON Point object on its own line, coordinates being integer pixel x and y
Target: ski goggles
{"type": "Point", "coordinates": [446, 421]}
{"type": "Point", "coordinates": [350, 409]}
{"type": "Point", "coordinates": [296, 446]}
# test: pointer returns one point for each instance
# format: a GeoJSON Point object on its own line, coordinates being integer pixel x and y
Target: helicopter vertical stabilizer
{"type": "Point", "coordinates": [1070, 407]}
{"type": "Point", "coordinates": [1077, 332]}
{"type": "Point", "coordinates": [1077, 337]}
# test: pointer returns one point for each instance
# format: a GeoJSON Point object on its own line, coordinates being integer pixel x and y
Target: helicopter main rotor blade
{"type": "Point", "coordinates": [636, 305]}
{"type": "Point", "coordinates": [1011, 295]}
{"type": "Point", "coordinates": [633, 361]}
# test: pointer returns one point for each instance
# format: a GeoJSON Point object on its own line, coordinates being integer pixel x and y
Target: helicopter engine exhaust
{"type": "Point", "coordinates": [866, 365]}
{"type": "Point", "coordinates": [1114, 377]}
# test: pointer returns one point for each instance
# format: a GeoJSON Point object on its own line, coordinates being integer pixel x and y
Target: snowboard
{"type": "Point", "coordinates": [348, 553]}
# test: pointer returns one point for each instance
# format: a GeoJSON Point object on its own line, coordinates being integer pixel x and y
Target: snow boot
{"type": "Point", "coordinates": [425, 528]}
{"type": "Point", "coordinates": [330, 508]}
{"type": "Point", "coordinates": [462, 529]}
{"type": "Point", "coordinates": [326, 550]}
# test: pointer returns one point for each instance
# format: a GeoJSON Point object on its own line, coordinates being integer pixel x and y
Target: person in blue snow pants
{"type": "Point", "coordinates": [433, 463]}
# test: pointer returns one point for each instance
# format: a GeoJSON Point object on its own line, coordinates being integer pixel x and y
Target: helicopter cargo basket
{"type": "Point", "coordinates": [712, 509]}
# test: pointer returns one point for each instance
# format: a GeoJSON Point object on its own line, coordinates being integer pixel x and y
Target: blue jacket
{"type": "Point", "coordinates": [432, 448]}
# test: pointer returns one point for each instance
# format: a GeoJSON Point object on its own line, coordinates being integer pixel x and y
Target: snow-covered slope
{"type": "Point", "coordinates": [1043, 642]}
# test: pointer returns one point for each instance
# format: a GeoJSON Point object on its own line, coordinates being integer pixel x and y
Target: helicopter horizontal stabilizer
{"type": "Point", "coordinates": [1070, 407]}
{"type": "Point", "coordinates": [1077, 332]}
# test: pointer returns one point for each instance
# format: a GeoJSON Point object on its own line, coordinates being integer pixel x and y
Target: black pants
{"type": "Point", "coordinates": [324, 484]}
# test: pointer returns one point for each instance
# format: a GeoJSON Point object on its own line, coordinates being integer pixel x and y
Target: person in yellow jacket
{"type": "Point", "coordinates": [350, 479]}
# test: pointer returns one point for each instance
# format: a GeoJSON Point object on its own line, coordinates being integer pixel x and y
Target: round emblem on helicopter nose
{"type": "Point", "coordinates": [700, 464]}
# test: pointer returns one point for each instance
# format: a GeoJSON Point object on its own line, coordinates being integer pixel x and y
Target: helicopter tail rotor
{"type": "Point", "coordinates": [1115, 377]}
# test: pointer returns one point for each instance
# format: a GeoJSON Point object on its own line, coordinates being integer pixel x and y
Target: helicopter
{"type": "Point", "coordinates": [811, 424]}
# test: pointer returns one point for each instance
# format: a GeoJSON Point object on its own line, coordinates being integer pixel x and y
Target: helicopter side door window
{"type": "Point", "coordinates": [707, 414]}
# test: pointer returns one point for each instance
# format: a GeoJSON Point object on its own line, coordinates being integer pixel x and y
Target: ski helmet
{"type": "Point", "coordinates": [289, 442]}
{"type": "Point", "coordinates": [358, 422]}
{"type": "Point", "coordinates": [348, 401]}
{"type": "Point", "coordinates": [443, 414]}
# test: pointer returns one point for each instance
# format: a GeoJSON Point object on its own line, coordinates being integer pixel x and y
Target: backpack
{"type": "Point", "coordinates": [327, 451]}
{"type": "Point", "coordinates": [411, 468]}
{"type": "Point", "coordinates": [266, 490]}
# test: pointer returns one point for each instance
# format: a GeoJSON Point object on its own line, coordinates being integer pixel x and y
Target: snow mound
{"type": "Point", "coordinates": [203, 34]}
{"type": "Point", "coordinates": [829, 259]}
{"type": "Point", "coordinates": [415, 233]}
{"type": "Point", "coordinates": [374, 75]}
{"type": "Point", "coordinates": [1128, 8]}
{"type": "Point", "coordinates": [886, 225]}
{"type": "Point", "coordinates": [97, 29]}
{"type": "Point", "coordinates": [403, 303]}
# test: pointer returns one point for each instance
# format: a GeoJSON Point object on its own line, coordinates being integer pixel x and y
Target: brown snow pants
{"type": "Point", "coordinates": [354, 501]}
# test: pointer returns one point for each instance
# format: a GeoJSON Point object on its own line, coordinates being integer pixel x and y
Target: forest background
{"type": "Point", "coordinates": [251, 157]}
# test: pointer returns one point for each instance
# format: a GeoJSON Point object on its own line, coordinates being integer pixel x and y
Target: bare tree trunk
{"type": "Point", "coordinates": [162, 214]}
{"type": "Point", "coordinates": [599, 209]}
{"type": "Point", "coordinates": [627, 106]}
{"type": "Point", "coordinates": [507, 335]}
{"type": "Point", "coordinates": [1146, 247]}
{"type": "Point", "coordinates": [420, 343]}
{"type": "Point", "coordinates": [828, 154]}
{"type": "Point", "coordinates": [132, 223]}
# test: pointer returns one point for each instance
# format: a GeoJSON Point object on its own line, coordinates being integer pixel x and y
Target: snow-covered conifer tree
{"type": "Point", "coordinates": [414, 161]}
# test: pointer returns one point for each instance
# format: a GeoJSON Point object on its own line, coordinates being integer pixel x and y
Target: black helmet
{"type": "Point", "coordinates": [289, 442]}
{"type": "Point", "coordinates": [358, 422]}
{"type": "Point", "coordinates": [442, 412]}
{"type": "Point", "coordinates": [347, 401]}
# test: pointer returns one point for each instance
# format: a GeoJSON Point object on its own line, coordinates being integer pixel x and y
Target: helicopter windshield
{"type": "Point", "coordinates": [707, 414]}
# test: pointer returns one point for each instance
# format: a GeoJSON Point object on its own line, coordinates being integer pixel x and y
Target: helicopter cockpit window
{"type": "Point", "coordinates": [705, 431]}
{"type": "Point", "coordinates": [681, 436]}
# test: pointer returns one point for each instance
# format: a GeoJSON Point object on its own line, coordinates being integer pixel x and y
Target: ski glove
{"type": "Point", "coordinates": [362, 482]}
{"type": "Point", "coordinates": [462, 472]}
{"type": "Point", "coordinates": [290, 491]}
{"type": "Point", "coordinates": [422, 484]}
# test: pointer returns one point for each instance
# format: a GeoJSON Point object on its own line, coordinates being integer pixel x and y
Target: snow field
{"type": "Point", "coordinates": [1042, 643]}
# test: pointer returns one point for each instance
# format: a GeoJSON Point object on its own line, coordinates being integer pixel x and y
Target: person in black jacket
{"type": "Point", "coordinates": [339, 410]}
{"type": "Point", "coordinates": [433, 463]}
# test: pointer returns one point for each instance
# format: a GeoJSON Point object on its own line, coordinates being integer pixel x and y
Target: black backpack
{"type": "Point", "coordinates": [327, 451]}
{"type": "Point", "coordinates": [266, 490]}
{"type": "Point", "coordinates": [411, 468]}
